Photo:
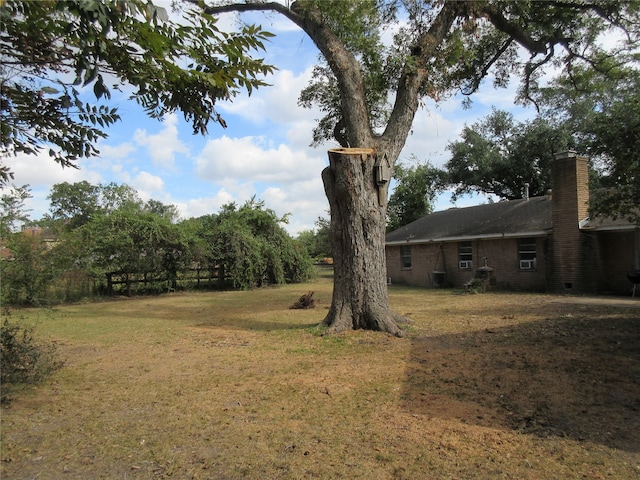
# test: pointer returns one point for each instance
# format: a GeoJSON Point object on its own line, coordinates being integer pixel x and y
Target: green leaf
{"type": "Point", "coordinates": [49, 90]}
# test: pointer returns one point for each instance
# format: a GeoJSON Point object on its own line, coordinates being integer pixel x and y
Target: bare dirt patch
{"type": "Point", "coordinates": [570, 377]}
{"type": "Point", "coordinates": [235, 385]}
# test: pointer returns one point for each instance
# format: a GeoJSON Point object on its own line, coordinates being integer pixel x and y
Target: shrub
{"type": "Point", "coordinates": [23, 359]}
{"type": "Point", "coordinates": [26, 277]}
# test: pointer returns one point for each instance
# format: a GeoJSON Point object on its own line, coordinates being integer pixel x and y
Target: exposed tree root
{"type": "Point", "coordinates": [386, 322]}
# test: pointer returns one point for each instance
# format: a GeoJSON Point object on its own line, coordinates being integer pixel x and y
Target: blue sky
{"type": "Point", "coordinates": [264, 152]}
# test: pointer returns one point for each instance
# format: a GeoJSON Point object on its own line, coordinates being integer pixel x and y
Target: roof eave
{"type": "Point", "coordinates": [609, 228]}
{"type": "Point", "coordinates": [488, 236]}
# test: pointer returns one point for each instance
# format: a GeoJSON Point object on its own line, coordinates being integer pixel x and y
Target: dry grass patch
{"type": "Point", "coordinates": [231, 385]}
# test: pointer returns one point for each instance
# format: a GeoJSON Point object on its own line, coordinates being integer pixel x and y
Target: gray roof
{"type": "Point", "coordinates": [515, 218]}
{"type": "Point", "coordinates": [603, 224]}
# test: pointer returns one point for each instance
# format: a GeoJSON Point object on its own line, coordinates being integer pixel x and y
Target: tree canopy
{"type": "Point", "coordinates": [498, 155]}
{"type": "Point", "coordinates": [252, 247]}
{"type": "Point", "coordinates": [12, 209]}
{"type": "Point", "coordinates": [602, 111]}
{"type": "Point", "coordinates": [414, 193]}
{"type": "Point", "coordinates": [594, 113]}
{"type": "Point", "coordinates": [52, 49]}
{"type": "Point", "coordinates": [316, 241]}
{"type": "Point", "coordinates": [75, 204]}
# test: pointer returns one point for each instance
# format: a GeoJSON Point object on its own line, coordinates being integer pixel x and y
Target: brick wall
{"type": "Point", "coordinates": [570, 187]}
{"type": "Point", "coordinates": [501, 255]}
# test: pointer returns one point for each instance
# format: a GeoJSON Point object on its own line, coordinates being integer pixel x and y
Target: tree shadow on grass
{"type": "Point", "coordinates": [568, 377]}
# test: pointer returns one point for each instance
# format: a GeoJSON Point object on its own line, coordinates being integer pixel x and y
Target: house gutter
{"type": "Point", "coordinates": [488, 236]}
{"type": "Point", "coordinates": [611, 228]}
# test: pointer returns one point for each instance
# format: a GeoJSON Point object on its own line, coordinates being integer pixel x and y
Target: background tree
{"type": "Point", "coordinates": [74, 204]}
{"type": "Point", "coordinates": [617, 131]}
{"type": "Point", "coordinates": [413, 196]}
{"type": "Point", "coordinates": [185, 66]}
{"type": "Point", "coordinates": [169, 212]}
{"type": "Point", "coordinates": [323, 236]}
{"type": "Point", "coordinates": [252, 248]}
{"type": "Point", "coordinates": [602, 109]}
{"type": "Point", "coordinates": [316, 241]}
{"type": "Point", "coordinates": [119, 197]}
{"type": "Point", "coordinates": [12, 208]}
{"type": "Point", "coordinates": [123, 237]}
{"type": "Point", "coordinates": [497, 156]}
{"type": "Point", "coordinates": [439, 47]}
{"type": "Point", "coordinates": [133, 243]}
{"type": "Point", "coordinates": [593, 112]}
{"type": "Point", "coordinates": [26, 277]}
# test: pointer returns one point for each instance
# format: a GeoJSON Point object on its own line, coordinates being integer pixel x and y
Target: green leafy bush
{"type": "Point", "coordinates": [23, 359]}
{"type": "Point", "coordinates": [28, 274]}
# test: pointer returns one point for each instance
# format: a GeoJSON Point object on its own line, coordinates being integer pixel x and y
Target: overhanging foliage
{"type": "Point", "coordinates": [53, 49]}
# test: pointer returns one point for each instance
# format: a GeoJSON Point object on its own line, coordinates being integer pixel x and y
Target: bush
{"type": "Point", "coordinates": [23, 360]}
{"type": "Point", "coordinates": [26, 277]}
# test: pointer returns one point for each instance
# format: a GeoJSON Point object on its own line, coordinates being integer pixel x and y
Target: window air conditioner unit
{"type": "Point", "coordinates": [465, 264]}
{"type": "Point", "coordinates": [526, 264]}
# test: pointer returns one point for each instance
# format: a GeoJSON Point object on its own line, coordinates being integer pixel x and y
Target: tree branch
{"type": "Point", "coordinates": [499, 21]}
{"type": "Point", "coordinates": [413, 78]}
{"type": "Point", "coordinates": [343, 63]}
{"type": "Point", "coordinates": [593, 7]}
{"type": "Point", "coordinates": [247, 7]}
{"type": "Point", "coordinates": [475, 82]}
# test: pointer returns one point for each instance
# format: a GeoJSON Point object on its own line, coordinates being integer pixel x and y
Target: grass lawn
{"type": "Point", "coordinates": [235, 385]}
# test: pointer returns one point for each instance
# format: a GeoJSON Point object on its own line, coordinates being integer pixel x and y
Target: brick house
{"type": "Point", "coordinates": [46, 235]}
{"type": "Point", "coordinates": [545, 243]}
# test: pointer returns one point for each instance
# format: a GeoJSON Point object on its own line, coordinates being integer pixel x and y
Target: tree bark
{"type": "Point", "coordinates": [358, 212]}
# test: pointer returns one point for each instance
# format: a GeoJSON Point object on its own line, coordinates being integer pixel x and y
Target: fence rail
{"type": "Point", "coordinates": [149, 282]}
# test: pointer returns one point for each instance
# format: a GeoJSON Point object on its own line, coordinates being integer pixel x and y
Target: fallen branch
{"type": "Point", "coordinates": [305, 301]}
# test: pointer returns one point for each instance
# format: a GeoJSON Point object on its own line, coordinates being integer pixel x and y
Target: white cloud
{"type": "Point", "coordinates": [147, 185]}
{"type": "Point", "coordinates": [164, 145]}
{"type": "Point", "coordinates": [197, 207]}
{"type": "Point", "coordinates": [305, 201]}
{"type": "Point", "coordinates": [277, 103]}
{"type": "Point", "coordinates": [254, 159]}
{"type": "Point", "coordinates": [300, 135]}
{"type": "Point", "coordinates": [41, 171]}
{"type": "Point", "coordinates": [429, 137]}
{"type": "Point", "coordinates": [278, 25]}
{"type": "Point", "coordinates": [121, 151]}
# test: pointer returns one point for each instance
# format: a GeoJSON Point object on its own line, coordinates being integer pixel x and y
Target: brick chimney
{"type": "Point", "coordinates": [570, 187]}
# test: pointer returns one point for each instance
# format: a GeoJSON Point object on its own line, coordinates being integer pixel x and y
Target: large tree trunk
{"type": "Point", "coordinates": [357, 200]}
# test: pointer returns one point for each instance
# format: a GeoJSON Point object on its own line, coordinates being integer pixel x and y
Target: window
{"type": "Point", "coordinates": [527, 253]}
{"type": "Point", "coordinates": [465, 255]}
{"type": "Point", "coordinates": [405, 256]}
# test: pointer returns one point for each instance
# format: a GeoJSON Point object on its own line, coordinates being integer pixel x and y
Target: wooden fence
{"type": "Point", "coordinates": [126, 283]}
